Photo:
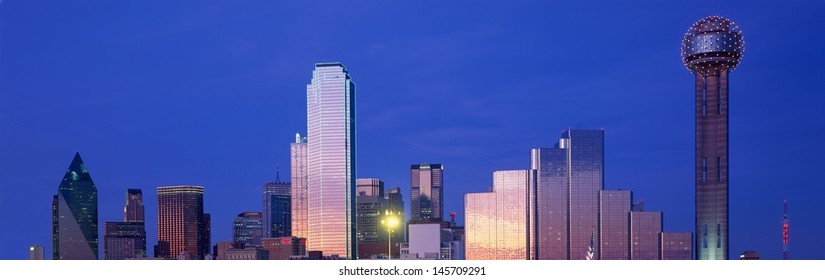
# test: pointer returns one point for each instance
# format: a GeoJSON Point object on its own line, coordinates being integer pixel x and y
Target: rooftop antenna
{"type": "Point", "coordinates": [786, 255]}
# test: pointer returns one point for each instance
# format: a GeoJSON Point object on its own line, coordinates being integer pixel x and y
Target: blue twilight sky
{"type": "Point", "coordinates": [212, 92]}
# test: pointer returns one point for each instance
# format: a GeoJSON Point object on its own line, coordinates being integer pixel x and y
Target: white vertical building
{"type": "Point", "coordinates": [298, 173]}
{"type": "Point", "coordinates": [331, 161]}
{"type": "Point", "coordinates": [431, 241]}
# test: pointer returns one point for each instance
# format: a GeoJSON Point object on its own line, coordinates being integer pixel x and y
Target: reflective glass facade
{"type": "Point", "coordinates": [74, 215]}
{"type": "Point", "coordinates": [331, 161]}
{"type": "Point", "coordinates": [677, 246]}
{"type": "Point", "coordinates": [369, 187]}
{"type": "Point", "coordinates": [551, 219]}
{"type": "Point", "coordinates": [586, 163]}
{"type": "Point", "coordinates": [645, 231]}
{"type": "Point", "coordinates": [497, 225]}
{"type": "Point", "coordinates": [277, 209]}
{"type": "Point", "coordinates": [182, 226]}
{"type": "Point", "coordinates": [569, 178]}
{"type": "Point", "coordinates": [615, 225]}
{"type": "Point", "coordinates": [298, 173]}
{"type": "Point", "coordinates": [426, 188]}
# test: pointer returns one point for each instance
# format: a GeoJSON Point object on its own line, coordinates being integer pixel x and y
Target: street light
{"type": "Point", "coordinates": [391, 221]}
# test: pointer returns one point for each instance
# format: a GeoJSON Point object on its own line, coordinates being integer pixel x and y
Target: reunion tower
{"type": "Point", "coordinates": [712, 47]}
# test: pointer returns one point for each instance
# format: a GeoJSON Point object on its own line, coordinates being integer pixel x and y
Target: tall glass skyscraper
{"type": "Point", "coordinates": [74, 215]}
{"type": "Point", "coordinates": [551, 202]}
{"type": "Point", "coordinates": [711, 49]}
{"type": "Point", "coordinates": [569, 179]}
{"type": "Point", "coordinates": [426, 187]}
{"type": "Point", "coordinates": [298, 173]}
{"type": "Point", "coordinates": [277, 212]}
{"type": "Point", "coordinates": [496, 224]}
{"type": "Point", "coordinates": [331, 161]}
{"type": "Point", "coordinates": [182, 226]}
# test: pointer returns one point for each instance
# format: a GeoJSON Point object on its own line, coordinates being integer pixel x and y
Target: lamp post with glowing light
{"type": "Point", "coordinates": [391, 221]}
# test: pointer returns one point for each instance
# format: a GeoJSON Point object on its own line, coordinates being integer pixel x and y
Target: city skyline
{"type": "Point", "coordinates": [472, 128]}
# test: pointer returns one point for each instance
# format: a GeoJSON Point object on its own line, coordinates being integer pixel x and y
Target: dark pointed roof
{"type": "Point", "coordinates": [76, 173]}
{"type": "Point", "coordinates": [77, 164]}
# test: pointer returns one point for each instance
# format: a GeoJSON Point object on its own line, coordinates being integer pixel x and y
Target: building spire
{"type": "Point", "coordinates": [786, 255]}
{"type": "Point", "coordinates": [277, 173]}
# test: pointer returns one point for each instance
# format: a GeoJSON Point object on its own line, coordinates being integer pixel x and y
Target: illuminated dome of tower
{"type": "Point", "coordinates": [713, 42]}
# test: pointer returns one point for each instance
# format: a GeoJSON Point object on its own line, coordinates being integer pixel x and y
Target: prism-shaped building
{"type": "Point", "coordinates": [74, 215]}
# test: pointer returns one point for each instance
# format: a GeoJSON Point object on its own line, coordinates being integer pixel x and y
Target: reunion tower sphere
{"type": "Point", "coordinates": [711, 43]}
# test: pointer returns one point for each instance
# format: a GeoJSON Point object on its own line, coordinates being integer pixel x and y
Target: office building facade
{"type": "Point", "coordinates": [645, 231]}
{"type": "Point", "coordinates": [133, 211]}
{"type": "Point", "coordinates": [496, 222]}
{"type": "Point", "coordinates": [74, 215]}
{"type": "Point", "coordinates": [569, 179]}
{"type": "Point", "coordinates": [299, 188]}
{"type": "Point", "coordinates": [277, 209]}
{"type": "Point", "coordinates": [124, 241]}
{"type": "Point", "coordinates": [426, 192]}
{"type": "Point", "coordinates": [183, 227]}
{"type": "Point", "coordinates": [331, 157]}
{"type": "Point", "coordinates": [285, 248]}
{"type": "Point", "coordinates": [248, 229]}
{"type": "Point", "coordinates": [127, 239]}
{"type": "Point", "coordinates": [677, 246]}
{"type": "Point", "coordinates": [371, 206]}
{"type": "Point", "coordinates": [615, 224]}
